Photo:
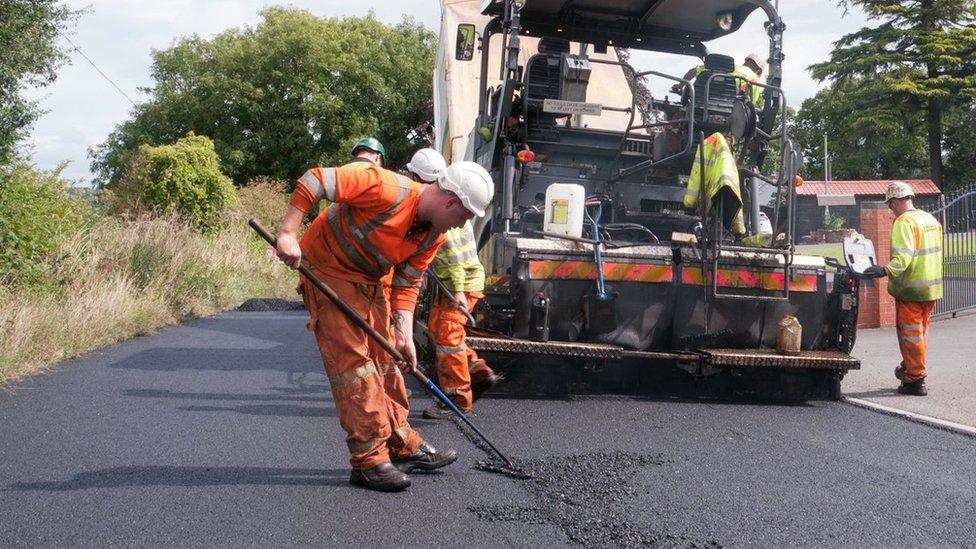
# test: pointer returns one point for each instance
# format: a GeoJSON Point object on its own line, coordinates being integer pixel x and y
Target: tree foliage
{"type": "Point", "coordinates": [293, 91]}
{"type": "Point", "coordinates": [919, 57]}
{"type": "Point", "coordinates": [29, 57]}
{"type": "Point", "coordinates": [183, 178]}
{"type": "Point", "coordinates": [37, 214]}
{"type": "Point", "coordinates": [868, 138]}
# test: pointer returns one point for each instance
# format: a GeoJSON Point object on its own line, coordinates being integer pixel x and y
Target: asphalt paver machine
{"type": "Point", "coordinates": [599, 279]}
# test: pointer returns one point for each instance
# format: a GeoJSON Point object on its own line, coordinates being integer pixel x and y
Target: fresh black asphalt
{"type": "Point", "coordinates": [222, 433]}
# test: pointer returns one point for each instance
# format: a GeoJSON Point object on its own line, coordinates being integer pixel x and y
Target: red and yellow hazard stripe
{"type": "Point", "coordinates": [586, 270]}
{"type": "Point", "coordinates": [745, 278]}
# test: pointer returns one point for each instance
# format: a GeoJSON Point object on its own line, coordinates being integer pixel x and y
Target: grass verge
{"type": "Point", "coordinates": [118, 279]}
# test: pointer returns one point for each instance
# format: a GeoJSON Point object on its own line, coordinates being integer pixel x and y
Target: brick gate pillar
{"type": "Point", "coordinates": [877, 308]}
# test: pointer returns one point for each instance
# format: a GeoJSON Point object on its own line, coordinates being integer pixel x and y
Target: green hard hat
{"type": "Point", "coordinates": [372, 144]}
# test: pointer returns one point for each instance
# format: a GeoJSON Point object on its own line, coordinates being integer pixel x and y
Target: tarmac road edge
{"type": "Point", "coordinates": [912, 416]}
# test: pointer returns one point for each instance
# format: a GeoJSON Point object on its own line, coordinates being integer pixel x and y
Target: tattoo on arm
{"type": "Point", "coordinates": [398, 320]}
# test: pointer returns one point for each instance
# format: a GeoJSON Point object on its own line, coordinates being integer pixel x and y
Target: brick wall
{"type": "Point", "coordinates": [877, 308]}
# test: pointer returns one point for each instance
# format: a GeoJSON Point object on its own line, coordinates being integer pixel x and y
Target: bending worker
{"type": "Point", "coordinates": [914, 280]}
{"type": "Point", "coordinates": [461, 374]}
{"type": "Point", "coordinates": [378, 222]}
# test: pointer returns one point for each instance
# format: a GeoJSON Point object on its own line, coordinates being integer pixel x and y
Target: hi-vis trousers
{"type": "Point", "coordinates": [912, 322]}
{"type": "Point", "coordinates": [367, 387]}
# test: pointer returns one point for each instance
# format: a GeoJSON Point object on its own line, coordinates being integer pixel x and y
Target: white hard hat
{"type": "Point", "coordinates": [759, 61]}
{"type": "Point", "coordinates": [427, 164]}
{"type": "Point", "coordinates": [899, 189]}
{"type": "Point", "coordinates": [471, 183]}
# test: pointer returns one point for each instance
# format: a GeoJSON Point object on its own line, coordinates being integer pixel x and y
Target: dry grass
{"type": "Point", "coordinates": [119, 279]}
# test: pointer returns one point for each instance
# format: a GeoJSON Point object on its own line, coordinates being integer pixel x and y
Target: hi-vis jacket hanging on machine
{"type": "Point", "coordinates": [369, 230]}
{"type": "Point", "coordinates": [720, 172]}
{"type": "Point", "coordinates": [915, 269]}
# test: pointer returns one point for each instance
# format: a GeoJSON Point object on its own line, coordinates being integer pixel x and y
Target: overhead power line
{"type": "Point", "coordinates": [94, 66]}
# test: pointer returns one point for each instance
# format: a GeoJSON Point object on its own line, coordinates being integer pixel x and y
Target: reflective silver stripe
{"type": "Point", "coordinates": [929, 251]}
{"type": "Point", "coordinates": [408, 270]}
{"type": "Point", "coordinates": [400, 282]}
{"type": "Point", "coordinates": [361, 234]}
{"type": "Point", "coordinates": [357, 447]}
{"type": "Point", "coordinates": [449, 350]}
{"type": "Point", "coordinates": [403, 432]}
{"type": "Point", "coordinates": [427, 243]}
{"type": "Point", "coordinates": [899, 250]}
{"type": "Point", "coordinates": [910, 339]}
{"type": "Point", "coordinates": [312, 182]}
{"type": "Point", "coordinates": [907, 327]}
{"type": "Point", "coordinates": [330, 182]}
{"type": "Point", "coordinates": [334, 211]}
{"type": "Point", "coordinates": [346, 378]}
{"type": "Point", "coordinates": [465, 256]}
{"type": "Point", "coordinates": [919, 283]}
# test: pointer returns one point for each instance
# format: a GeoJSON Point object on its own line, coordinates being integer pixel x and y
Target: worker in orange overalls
{"type": "Point", "coordinates": [461, 373]}
{"type": "Point", "coordinates": [379, 222]}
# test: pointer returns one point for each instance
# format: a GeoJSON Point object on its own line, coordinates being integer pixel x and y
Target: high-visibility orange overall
{"type": "Point", "coordinates": [456, 362]}
{"type": "Point", "coordinates": [367, 232]}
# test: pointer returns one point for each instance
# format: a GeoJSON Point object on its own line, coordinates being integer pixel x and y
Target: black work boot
{"type": "Point", "coordinates": [439, 411]}
{"type": "Point", "coordinates": [482, 383]}
{"type": "Point", "coordinates": [426, 458]}
{"type": "Point", "coordinates": [383, 478]}
{"type": "Point", "coordinates": [915, 388]}
{"type": "Point", "coordinates": [900, 371]}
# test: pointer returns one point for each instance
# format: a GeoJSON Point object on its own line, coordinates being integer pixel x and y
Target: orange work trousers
{"type": "Point", "coordinates": [456, 362]}
{"type": "Point", "coordinates": [367, 387]}
{"type": "Point", "coordinates": [912, 322]}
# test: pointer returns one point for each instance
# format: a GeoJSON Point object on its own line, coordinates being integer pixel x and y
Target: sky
{"type": "Point", "coordinates": [82, 107]}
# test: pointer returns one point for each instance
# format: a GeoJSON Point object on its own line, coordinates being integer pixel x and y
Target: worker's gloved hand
{"type": "Point", "coordinates": [461, 300]}
{"type": "Point", "coordinates": [875, 271]}
{"type": "Point", "coordinates": [288, 250]}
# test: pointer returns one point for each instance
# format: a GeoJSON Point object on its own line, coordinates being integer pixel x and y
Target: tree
{"type": "Point", "coordinates": [183, 178]}
{"type": "Point", "coordinates": [293, 91]}
{"type": "Point", "coordinates": [960, 146]}
{"type": "Point", "coordinates": [29, 57]}
{"type": "Point", "coordinates": [868, 138]}
{"type": "Point", "coordinates": [918, 57]}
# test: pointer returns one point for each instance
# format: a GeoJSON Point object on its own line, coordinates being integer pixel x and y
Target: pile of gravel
{"type": "Point", "coordinates": [589, 498]}
{"type": "Point", "coordinates": [261, 305]}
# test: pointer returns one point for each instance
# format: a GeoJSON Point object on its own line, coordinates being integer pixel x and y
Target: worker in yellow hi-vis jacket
{"type": "Point", "coordinates": [461, 374]}
{"type": "Point", "coordinates": [915, 281]}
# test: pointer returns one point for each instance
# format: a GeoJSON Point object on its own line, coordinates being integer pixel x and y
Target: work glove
{"type": "Point", "coordinates": [875, 271]}
{"type": "Point", "coordinates": [461, 300]}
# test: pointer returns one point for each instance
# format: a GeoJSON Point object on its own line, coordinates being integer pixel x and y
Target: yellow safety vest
{"type": "Point", "coordinates": [457, 264]}
{"type": "Point", "coordinates": [746, 78]}
{"type": "Point", "coordinates": [915, 269]}
{"type": "Point", "coordinates": [720, 172]}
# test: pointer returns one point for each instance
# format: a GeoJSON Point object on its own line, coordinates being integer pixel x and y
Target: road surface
{"type": "Point", "coordinates": [222, 433]}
